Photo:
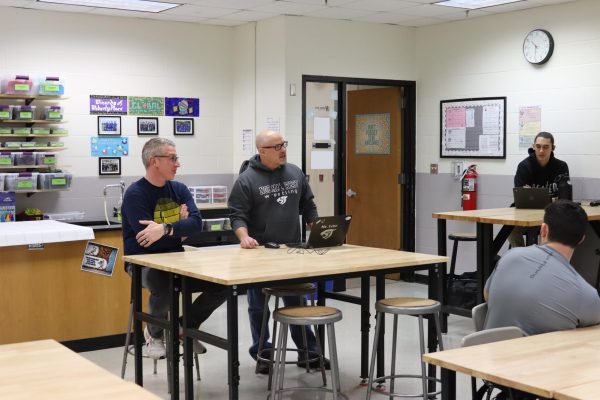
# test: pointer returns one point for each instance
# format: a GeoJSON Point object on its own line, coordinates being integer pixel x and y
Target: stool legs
{"type": "Point", "coordinates": [374, 354]}
{"type": "Point", "coordinates": [335, 371]}
{"type": "Point", "coordinates": [279, 361]}
{"type": "Point", "coordinates": [424, 378]}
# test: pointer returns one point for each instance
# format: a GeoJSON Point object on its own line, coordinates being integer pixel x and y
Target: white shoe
{"type": "Point", "coordinates": [155, 348]}
{"type": "Point", "coordinates": [198, 347]}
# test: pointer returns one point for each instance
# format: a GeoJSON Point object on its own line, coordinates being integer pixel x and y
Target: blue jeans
{"type": "Point", "coordinates": [256, 303]}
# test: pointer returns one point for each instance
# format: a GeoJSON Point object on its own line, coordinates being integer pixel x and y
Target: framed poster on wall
{"type": "Point", "coordinates": [473, 128]}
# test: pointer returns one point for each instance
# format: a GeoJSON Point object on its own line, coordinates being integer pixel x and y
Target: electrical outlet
{"type": "Point", "coordinates": [433, 169]}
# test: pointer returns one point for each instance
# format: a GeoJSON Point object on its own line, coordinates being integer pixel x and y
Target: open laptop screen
{"type": "Point", "coordinates": [326, 232]}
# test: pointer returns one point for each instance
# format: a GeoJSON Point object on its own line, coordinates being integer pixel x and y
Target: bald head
{"type": "Point", "coordinates": [271, 149]}
{"type": "Point", "coordinates": [265, 137]}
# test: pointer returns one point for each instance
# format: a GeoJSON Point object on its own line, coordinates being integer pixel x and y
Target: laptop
{"type": "Point", "coordinates": [326, 232]}
{"type": "Point", "coordinates": [531, 197]}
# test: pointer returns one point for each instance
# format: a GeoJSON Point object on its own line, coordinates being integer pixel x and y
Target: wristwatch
{"type": "Point", "coordinates": [168, 229]}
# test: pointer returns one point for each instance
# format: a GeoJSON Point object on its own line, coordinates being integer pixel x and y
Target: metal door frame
{"type": "Point", "coordinates": [409, 146]}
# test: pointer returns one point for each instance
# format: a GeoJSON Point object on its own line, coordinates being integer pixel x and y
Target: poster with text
{"type": "Point", "coordinates": [182, 107]}
{"type": "Point", "coordinates": [113, 105]}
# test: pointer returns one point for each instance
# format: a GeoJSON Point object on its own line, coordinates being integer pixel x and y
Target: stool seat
{"type": "Point", "coordinates": [418, 304]}
{"type": "Point", "coordinates": [465, 237]}
{"type": "Point", "coordinates": [299, 289]}
{"type": "Point", "coordinates": [301, 315]}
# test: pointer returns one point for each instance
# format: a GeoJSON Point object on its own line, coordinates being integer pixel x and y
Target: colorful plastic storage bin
{"type": "Point", "coordinates": [20, 85]}
{"type": "Point", "coordinates": [51, 86]}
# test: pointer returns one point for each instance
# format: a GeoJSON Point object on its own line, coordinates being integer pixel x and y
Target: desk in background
{"type": "Point", "coordinates": [488, 246]}
{"type": "Point", "coordinates": [47, 370]}
{"type": "Point", "coordinates": [237, 269]}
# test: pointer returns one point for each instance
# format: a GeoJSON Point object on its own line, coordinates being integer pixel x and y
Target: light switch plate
{"type": "Point", "coordinates": [433, 169]}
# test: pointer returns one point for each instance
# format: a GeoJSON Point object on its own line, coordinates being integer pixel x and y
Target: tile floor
{"type": "Point", "coordinates": [213, 366]}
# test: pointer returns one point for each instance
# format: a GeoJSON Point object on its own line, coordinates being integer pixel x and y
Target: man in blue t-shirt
{"type": "Point", "coordinates": [536, 288]}
{"type": "Point", "coordinates": [158, 213]}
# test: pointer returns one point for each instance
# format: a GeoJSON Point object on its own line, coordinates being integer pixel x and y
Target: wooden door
{"type": "Point", "coordinates": [373, 166]}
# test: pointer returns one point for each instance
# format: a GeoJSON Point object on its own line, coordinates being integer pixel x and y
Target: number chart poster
{"type": "Point", "coordinates": [473, 128]}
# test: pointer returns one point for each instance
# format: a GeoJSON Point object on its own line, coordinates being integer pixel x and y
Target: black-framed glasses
{"type": "Point", "coordinates": [278, 146]}
{"type": "Point", "coordinates": [172, 158]}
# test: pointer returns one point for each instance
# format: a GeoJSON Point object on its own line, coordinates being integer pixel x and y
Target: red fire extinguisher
{"type": "Point", "coordinates": [469, 188]}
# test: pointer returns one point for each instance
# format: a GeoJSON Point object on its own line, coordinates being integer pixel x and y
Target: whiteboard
{"type": "Point", "coordinates": [473, 128]}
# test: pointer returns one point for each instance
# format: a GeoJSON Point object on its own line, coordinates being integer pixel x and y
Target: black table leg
{"type": "Point", "coordinates": [136, 276]}
{"type": "Point", "coordinates": [442, 251]}
{"type": "Point", "coordinates": [233, 369]}
{"type": "Point", "coordinates": [448, 384]}
{"type": "Point", "coordinates": [365, 326]}
{"type": "Point", "coordinates": [380, 294]}
{"type": "Point", "coordinates": [187, 343]}
{"type": "Point", "coordinates": [175, 285]}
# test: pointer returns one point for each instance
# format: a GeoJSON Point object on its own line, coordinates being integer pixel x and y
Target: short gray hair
{"type": "Point", "coordinates": [153, 148]}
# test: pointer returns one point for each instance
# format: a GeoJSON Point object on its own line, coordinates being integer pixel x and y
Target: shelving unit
{"type": "Point", "coordinates": [28, 99]}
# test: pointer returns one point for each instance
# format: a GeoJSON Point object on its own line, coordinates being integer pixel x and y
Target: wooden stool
{"type": "Point", "coordinates": [306, 315]}
{"type": "Point", "coordinates": [459, 237]}
{"type": "Point", "coordinates": [404, 306]}
{"type": "Point", "coordinates": [298, 290]}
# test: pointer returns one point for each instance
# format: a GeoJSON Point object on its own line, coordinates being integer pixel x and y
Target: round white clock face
{"type": "Point", "coordinates": [538, 46]}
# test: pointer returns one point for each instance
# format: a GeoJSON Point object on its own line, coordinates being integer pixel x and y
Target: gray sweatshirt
{"type": "Point", "coordinates": [268, 202]}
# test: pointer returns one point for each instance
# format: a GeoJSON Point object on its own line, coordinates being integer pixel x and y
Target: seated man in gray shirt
{"type": "Point", "coordinates": [536, 288]}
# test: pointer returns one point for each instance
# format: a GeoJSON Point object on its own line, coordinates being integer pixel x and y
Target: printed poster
{"type": "Point", "coordinates": [99, 258]}
{"type": "Point", "coordinates": [146, 106]}
{"type": "Point", "coordinates": [8, 204]}
{"type": "Point", "coordinates": [113, 105]}
{"type": "Point", "coordinates": [182, 107]}
{"type": "Point", "coordinates": [530, 124]}
{"type": "Point", "coordinates": [109, 146]}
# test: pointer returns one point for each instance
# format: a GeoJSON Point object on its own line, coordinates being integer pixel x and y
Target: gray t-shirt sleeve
{"type": "Point", "coordinates": [589, 313]}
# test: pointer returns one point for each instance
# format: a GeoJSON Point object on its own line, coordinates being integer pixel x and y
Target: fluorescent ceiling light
{"type": "Point", "coordinates": [473, 4]}
{"type": "Point", "coordinates": [131, 5]}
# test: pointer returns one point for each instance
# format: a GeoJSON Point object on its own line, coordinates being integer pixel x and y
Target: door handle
{"type": "Point", "coordinates": [351, 193]}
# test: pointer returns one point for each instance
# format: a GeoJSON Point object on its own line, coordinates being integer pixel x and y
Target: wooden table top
{"type": "Point", "coordinates": [233, 266]}
{"type": "Point", "coordinates": [46, 369]}
{"type": "Point", "coordinates": [586, 391]}
{"type": "Point", "coordinates": [507, 216]}
{"type": "Point", "coordinates": [540, 364]}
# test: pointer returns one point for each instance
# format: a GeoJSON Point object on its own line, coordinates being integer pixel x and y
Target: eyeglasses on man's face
{"type": "Point", "coordinates": [173, 159]}
{"type": "Point", "coordinates": [278, 146]}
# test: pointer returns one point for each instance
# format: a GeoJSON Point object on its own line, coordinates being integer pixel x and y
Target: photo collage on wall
{"type": "Point", "coordinates": [110, 145]}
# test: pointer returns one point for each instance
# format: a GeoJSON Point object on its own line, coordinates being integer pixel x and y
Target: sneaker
{"type": "Point", "coordinates": [198, 347]}
{"type": "Point", "coordinates": [315, 364]}
{"type": "Point", "coordinates": [155, 348]}
{"type": "Point", "coordinates": [262, 368]}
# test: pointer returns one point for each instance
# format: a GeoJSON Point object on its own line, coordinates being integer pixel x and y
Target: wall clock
{"type": "Point", "coordinates": [538, 46]}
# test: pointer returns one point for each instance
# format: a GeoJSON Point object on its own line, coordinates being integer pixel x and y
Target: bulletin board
{"type": "Point", "coordinates": [473, 128]}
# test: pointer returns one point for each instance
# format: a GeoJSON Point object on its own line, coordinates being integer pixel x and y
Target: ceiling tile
{"type": "Point", "coordinates": [339, 13]}
{"type": "Point", "coordinates": [236, 4]}
{"type": "Point", "coordinates": [200, 11]}
{"type": "Point", "coordinates": [379, 5]}
{"type": "Point", "coordinates": [288, 8]}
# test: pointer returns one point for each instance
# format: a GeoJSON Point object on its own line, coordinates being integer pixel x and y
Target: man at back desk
{"type": "Point", "coordinates": [536, 288]}
{"type": "Point", "coordinates": [539, 169]}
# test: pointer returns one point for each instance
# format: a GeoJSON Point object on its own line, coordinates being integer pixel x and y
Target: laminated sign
{"type": "Point", "coordinates": [99, 258]}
